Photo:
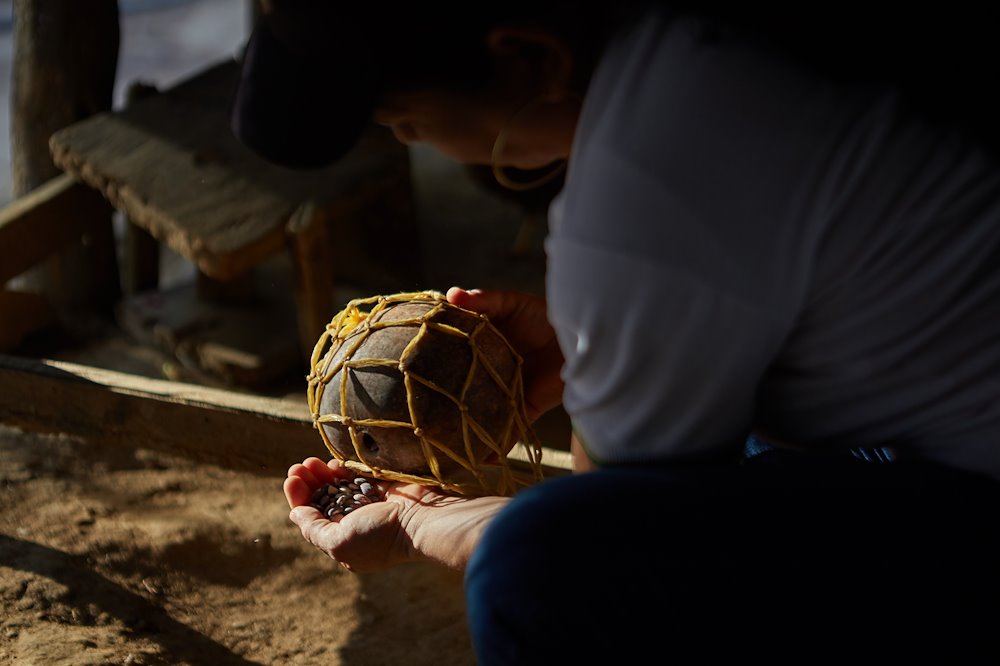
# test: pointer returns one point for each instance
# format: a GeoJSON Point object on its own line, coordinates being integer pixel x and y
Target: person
{"type": "Point", "coordinates": [772, 313]}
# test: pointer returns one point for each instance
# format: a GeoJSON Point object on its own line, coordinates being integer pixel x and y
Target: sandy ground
{"type": "Point", "coordinates": [110, 556]}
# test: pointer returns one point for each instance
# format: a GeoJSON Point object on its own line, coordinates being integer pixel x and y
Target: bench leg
{"type": "Point", "coordinates": [310, 249]}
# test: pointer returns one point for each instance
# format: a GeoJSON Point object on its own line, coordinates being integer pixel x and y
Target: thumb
{"type": "Point", "coordinates": [314, 527]}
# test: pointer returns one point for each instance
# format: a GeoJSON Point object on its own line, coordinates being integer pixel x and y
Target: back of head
{"type": "Point", "coordinates": [313, 71]}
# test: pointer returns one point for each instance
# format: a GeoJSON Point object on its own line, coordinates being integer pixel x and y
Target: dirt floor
{"type": "Point", "coordinates": [118, 555]}
{"type": "Point", "coordinates": [110, 556]}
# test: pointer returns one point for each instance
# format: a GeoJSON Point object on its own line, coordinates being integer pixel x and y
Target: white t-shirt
{"type": "Point", "coordinates": [743, 247]}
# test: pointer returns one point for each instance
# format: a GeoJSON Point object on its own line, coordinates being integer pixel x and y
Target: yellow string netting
{"type": "Point", "coordinates": [333, 356]}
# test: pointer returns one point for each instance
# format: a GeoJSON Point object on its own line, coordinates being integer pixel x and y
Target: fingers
{"type": "Point", "coordinates": [461, 297]}
{"type": "Point", "coordinates": [305, 477]}
{"type": "Point", "coordinates": [297, 491]}
{"type": "Point", "coordinates": [300, 471]}
{"type": "Point", "coordinates": [315, 472]}
{"type": "Point", "coordinates": [494, 304]}
{"type": "Point", "coordinates": [339, 470]}
{"type": "Point", "coordinates": [363, 541]}
{"type": "Point", "coordinates": [320, 470]}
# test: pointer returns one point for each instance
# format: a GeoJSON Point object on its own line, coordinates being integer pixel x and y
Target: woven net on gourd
{"type": "Point", "coordinates": [333, 356]}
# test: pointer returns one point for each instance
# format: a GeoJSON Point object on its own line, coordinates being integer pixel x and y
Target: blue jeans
{"type": "Point", "coordinates": [787, 556]}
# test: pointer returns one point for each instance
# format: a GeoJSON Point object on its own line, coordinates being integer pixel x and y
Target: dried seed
{"type": "Point", "coordinates": [334, 500]}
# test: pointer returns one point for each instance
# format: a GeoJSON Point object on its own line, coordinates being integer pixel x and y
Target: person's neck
{"type": "Point", "coordinates": [545, 135]}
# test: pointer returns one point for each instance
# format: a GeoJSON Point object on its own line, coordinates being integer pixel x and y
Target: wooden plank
{"type": "Point", "coordinates": [226, 428]}
{"type": "Point", "coordinates": [220, 427]}
{"type": "Point", "coordinates": [38, 224]}
{"type": "Point", "coordinates": [171, 163]}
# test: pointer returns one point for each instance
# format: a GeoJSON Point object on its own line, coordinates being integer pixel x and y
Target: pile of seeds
{"type": "Point", "coordinates": [342, 497]}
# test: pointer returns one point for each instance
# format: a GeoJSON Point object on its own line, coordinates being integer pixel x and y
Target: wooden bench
{"type": "Point", "coordinates": [171, 165]}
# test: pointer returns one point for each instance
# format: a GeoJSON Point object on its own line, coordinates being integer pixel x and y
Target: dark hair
{"type": "Point", "coordinates": [447, 44]}
{"type": "Point", "coordinates": [313, 69]}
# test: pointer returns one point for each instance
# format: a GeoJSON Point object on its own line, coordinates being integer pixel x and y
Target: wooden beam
{"type": "Point", "coordinates": [221, 427]}
{"type": "Point", "coordinates": [40, 223]}
{"type": "Point", "coordinates": [226, 428]}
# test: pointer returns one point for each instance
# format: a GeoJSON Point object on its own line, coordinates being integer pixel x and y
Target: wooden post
{"type": "Point", "coordinates": [309, 245]}
{"type": "Point", "coordinates": [65, 60]}
{"type": "Point", "coordinates": [140, 251]}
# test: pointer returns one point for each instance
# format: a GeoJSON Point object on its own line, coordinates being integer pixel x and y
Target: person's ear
{"type": "Point", "coordinates": [534, 56]}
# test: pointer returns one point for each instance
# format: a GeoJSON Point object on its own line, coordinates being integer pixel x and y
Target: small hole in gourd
{"type": "Point", "coordinates": [369, 442]}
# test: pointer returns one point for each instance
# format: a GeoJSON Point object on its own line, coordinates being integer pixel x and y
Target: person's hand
{"type": "Point", "coordinates": [369, 538]}
{"type": "Point", "coordinates": [414, 522]}
{"type": "Point", "coordinates": [522, 319]}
